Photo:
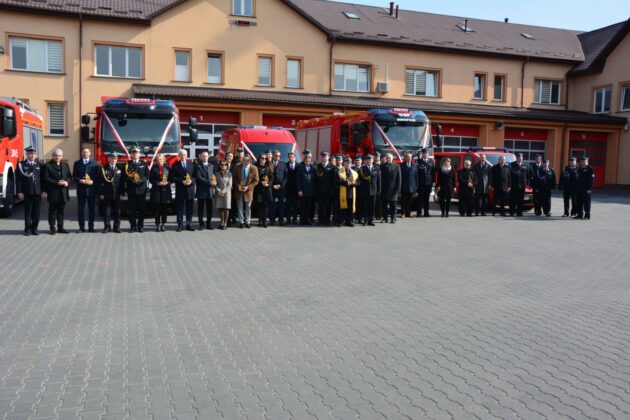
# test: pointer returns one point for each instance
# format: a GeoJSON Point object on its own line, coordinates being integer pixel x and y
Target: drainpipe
{"type": "Point", "coordinates": [331, 75]}
{"type": "Point", "coordinates": [80, 67]}
{"type": "Point", "coordinates": [523, 81]}
{"type": "Point", "coordinates": [566, 96]}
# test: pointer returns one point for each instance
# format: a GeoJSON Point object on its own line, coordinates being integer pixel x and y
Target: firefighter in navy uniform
{"type": "Point", "coordinates": [426, 182]}
{"type": "Point", "coordinates": [29, 190]}
{"type": "Point", "coordinates": [325, 183]}
{"type": "Point", "coordinates": [378, 207]}
{"type": "Point", "coordinates": [109, 189]}
{"type": "Point", "coordinates": [135, 186]}
{"type": "Point", "coordinates": [586, 175]}
{"type": "Point", "coordinates": [568, 185]}
{"type": "Point", "coordinates": [534, 169]}
{"type": "Point", "coordinates": [546, 182]}
{"type": "Point", "coordinates": [518, 174]}
{"type": "Point", "coordinates": [370, 186]}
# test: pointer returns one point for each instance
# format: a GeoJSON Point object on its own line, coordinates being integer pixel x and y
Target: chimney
{"type": "Point", "coordinates": [465, 25]}
{"type": "Point", "coordinates": [396, 11]}
{"type": "Point", "coordinates": [391, 8]}
{"type": "Point", "coordinates": [507, 20]}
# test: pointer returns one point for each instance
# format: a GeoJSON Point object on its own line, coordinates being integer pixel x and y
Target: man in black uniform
{"type": "Point", "coordinates": [325, 189]}
{"type": "Point", "coordinates": [291, 194]}
{"type": "Point", "coordinates": [467, 179]}
{"type": "Point", "coordinates": [370, 186]}
{"type": "Point", "coordinates": [56, 180]}
{"type": "Point", "coordinates": [409, 184]}
{"type": "Point", "coordinates": [378, 207]}
{"type": "Point", "coordinates": [546, 183]}
{"type": "Point", "coordinates": [518, 172]}
{"type": "Point", "coordinates": [483, 170]}
{"type": "Point", "coordinates": [29, 189]}
{"type": "Point", "coordinates": [306, 189]}
{"type": "Point", "coordinates": [135, 186]}
{"type": "Point", "coordinates": [501, 183]}
{"type": "Point", "coordinates": [84, 173]}
{"type": "Point", "coordinates": [586, 175]}
{"type": "Point", "coordinates": [109, 188]}
{"type": "Point", "coordinates": [568, 185]}
{"type": "Point", "coordinates": [240, 152]}
{"type": "Point", "coordinates": [391, 182]}
{"type": "Point", "coordinates": [205, 180]}
{"type": "Point", "coordinates": [279, 185]}
{"type": "Point", "coordinates": [534, 169]}
{"type": "Point", "coordinates": [182, 175]}
{"type": "Point", "coordinates": [426, 182]}
{"type": "Point", "coordinates": [358, 216]}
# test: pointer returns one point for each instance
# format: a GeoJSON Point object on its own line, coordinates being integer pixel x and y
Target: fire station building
{"type": "Point", "coordinates": [532, 89]}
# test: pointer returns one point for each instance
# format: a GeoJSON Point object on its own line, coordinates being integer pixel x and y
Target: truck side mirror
{"type": "Point", "coordinates": [85, 119]}
{"type": "Point", "coordinates": [437, 139]}
{"type": "Point", "coordinates": [193, 135]}
{"type": "Point", "coordinates": [192, 122]}
{"type": "Point", "coordinates": [8, 123]}
{"type": "Point", "coordinates": [85, 133]}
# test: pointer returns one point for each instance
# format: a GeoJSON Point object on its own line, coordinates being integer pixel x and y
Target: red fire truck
{"type": "Point", "coordinates": [21, 126]}
{"type": "Point", "coordinates": [393, 131]}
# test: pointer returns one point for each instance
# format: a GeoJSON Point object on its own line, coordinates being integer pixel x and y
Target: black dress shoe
{"type": "Point", "coordinates": [247, 225]}
{"type": "Point", "coordinates": [371, 224]}
{"type": "Point", "coordinates": [180, 228]}
{"type": "Point", "coordinates": [161, 228]}
{"type": "Point", "coordinates": [62, 230]}
{"type": "Point", "coordinates": [189, 228]}
{"type": "Point", "coordinates": [209, 225]}
{"type": "Point", "coordinates": [240, 225]}
{"type": "Point", "coordinates": [34, 232]}
{"type": "Point", "coordinates": [201, 226]}
{"type": "Point", "coordinates": [53, 231]}
{"type": "Point", "coordinates": [82, 230]}
{"type": "Point", "coordinates": [117, 230]}
{"type": "Point", "coordinates": [140, 230]}
{"type": "Point", "coordinates": [91, 230]}
{"type": "Point", "coordinates": [27, 233]}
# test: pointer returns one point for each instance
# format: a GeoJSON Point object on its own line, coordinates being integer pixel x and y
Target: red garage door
{"type": "Point", "coordinates": [529, 142]}
{"type": "Point", "coordinates": [457, 138]}
{"type": "Point", "coordinates": [210, 125]}
{"type": "Point", "coordinates": [285, 121]}
{"type": "Point", "coordinates": [593, 145]}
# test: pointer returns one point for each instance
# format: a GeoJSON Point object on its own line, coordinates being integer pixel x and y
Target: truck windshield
{"type": "Point", "coordinates": [259, 148]}
{"type": "Point", "coordinates": [403, 135]}
{"type": "Point", "coordinates": [144, 130]}
{"type": "Point", "coordinates": [493, 158]}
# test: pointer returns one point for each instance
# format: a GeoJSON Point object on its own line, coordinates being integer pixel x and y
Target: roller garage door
{"type": "Point", "coordinates": [527, 141]}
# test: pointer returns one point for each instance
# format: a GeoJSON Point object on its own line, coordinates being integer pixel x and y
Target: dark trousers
{"type": "Point", "coordinates": [91, 203]}
{"type": "Point", "coordinates": [187, 205]}
{"type": "Point", "coordinates": [306, 209]}
{"type": "Point", "coordinates": [378, 208]}
{"type": "Point", "coordinates": [369, 202]}
{"type": "Point", "coordinates": [405, 203]}
{"type": "Point", "coordinates": [583, 204]}
{"type": "Point", "coordinates": [445, 203]}
{"type": "Point", "coordinates": [277, 207]}
{"type": "Point", "coordinates": [204, 203]}
{"type": "Point", "coordinates": [569, 198]}
{"type": "Point", "coordinates": [358, 215]}
{"type": "Point", "coordinates": [324, 209]}
{"type": "Point", "coordinates": [346, 215]}
{"type": "Point", "coordinates": [55, 214]}
{"type": "Point", "coordinates": [517, 195]}
{"type": "Point", "coordinates": [137, 205]}
{"type": "Point", "coordinates": [233, 210]}
{"type": "Point", "coordinates": [481, 203]}
{"type": "Point", "coordinates": [500, 200]}
{"type": "Point", "coordinates": [292, 207]}
{"type": "Point", "coordinates": [424, 193]}
{"type": "Point", "coordinates": [467, 204]}
{"type": "Point", "coordinates": [389, 210]}
{"type": "Point", "coordinates": [545, 201]}
{"type": "Point", "coordinates": [32, 204]}
{"type": "Point", "coordinates": [111, 210]}
{"type": "Point", "coordinates": [161, 213]}
{"type": "Point", "coordinates": [537, 202]}
{"type": "Point", "coordinates": [263, 211]}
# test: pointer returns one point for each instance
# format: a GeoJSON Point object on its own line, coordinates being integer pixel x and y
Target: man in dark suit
{"type": "Point", "coordinates": [378, 207]}
{"type": "Point", "coordinates": [136, 172]}
{"type": "Point", "coordinates": [501, 184]}
{"type": "Point", "coordinates": [546, 183]}
{"type": "Point", "coordinates": [518, 172]}
{"type": "Point", "coordinates": [57, 178]}
{"type": "Point", "coordinates": [182, 174]}
{"type": "Point", "coordinates": [278, 187]}
{"type": "Point", "coordinates": [306, 189]}
{"type": "Point", "coordinates": [109, 188]}
{"type": "Point", "coordinates": [586, 177]}
{"type": "Point", "coordinates": [205, 181]}
{"type": "Point", "coordinates": [358, 215]}
{"type": "Point", "coordinates": [409, 184]}
{"type": "Point", "coordinates": [292, 199]}
{"type": "Point", "coordinates": [29, 190]}
{"type": "Point", "coordinates": [370, 185]}
{"type": "Point", "coordinates": [325, 189]}
{"type": "Point", "coordinates": [467, 180]}
{"type": "Point", "coordinates": [426, 181]}
{"type": "Point", "coordinates": [84, 174]}
{"type": "Point", "coordinates": [483, 170]}
{"type": "Point", "coordinates": [391, 182]}
{"type": "Point", "coordinates": [532, 175]}
{"type": "Point", "coordinates": [568, 185]}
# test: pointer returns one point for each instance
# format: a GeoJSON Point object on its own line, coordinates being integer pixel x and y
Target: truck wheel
{"type": "Point", "coordinates": [9, 200]}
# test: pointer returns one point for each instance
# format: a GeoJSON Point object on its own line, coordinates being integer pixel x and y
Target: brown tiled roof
{"type": "Point", "coordinates": [207, 94]}
{"type": "Point", "coordinates": [597, 45]}
{"type": "Point", "coordinates": [432, 31]}
{"type": "Point", "coordinates": [134, 10]}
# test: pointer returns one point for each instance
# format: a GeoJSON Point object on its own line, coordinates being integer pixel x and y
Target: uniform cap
{"type": "Point", "coordinates": [519, 154]}
{"type": "Point", "coordinates": [377, 154]}
{"type": "Point", "coordinates": [346, 160]}
{"type": "Point", "coordinates": [240, 149]}
{"type": "Point", "coordinates": [572, 158]}
{"type": "Point", "coordinates": [369, 157]}
{"type": "Point", "coordinates": [583, 158]}
{"type": "Point", "coordinates": [339, 157]}
{"type": "Point", "coordinates": [424, 150]}
{"type": "Point", "coordinates": [546, 161]}
{"type": "Point", "coordinates": [324, 153]}
{"type": "Point", "coordinates": [268, 151]}
{"type": "Point", "coordinates": [357, 156]}
{"type": "Point", "coordinates": [134, 149]}
{"type": "Point", "coordinates": [112, 154]}
{"type": "Point", "coordinates": [30, 149]}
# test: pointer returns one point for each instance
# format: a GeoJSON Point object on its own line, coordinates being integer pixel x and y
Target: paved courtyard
{"type": "Point", "coordinates": [429, 318]}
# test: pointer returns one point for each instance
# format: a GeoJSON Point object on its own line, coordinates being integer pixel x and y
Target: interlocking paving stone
{"type": "Point", "coordinates": [457, 318]}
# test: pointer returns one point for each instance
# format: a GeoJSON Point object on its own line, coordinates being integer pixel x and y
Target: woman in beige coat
{"type": "Point", "coordinates": [223, 196]}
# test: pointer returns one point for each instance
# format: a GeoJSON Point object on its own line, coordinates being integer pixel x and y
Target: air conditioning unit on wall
{"type": "Point", "coordinates": [382, 87]}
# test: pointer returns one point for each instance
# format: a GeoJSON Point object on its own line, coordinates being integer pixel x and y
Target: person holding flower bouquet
{"type": "Point", "coordinates": [263, 191]}
{"type": "Point", "coordinates": [182, 175]}
{"type": "Point", "coordinates": [206, 182]}
{"type": "Point", "coordinates": [223, 193]}
{"type": "Point", "coordinates": [347, 181]}
{"type": "Point", "coordinates": [160, 190]}
{"type": "Point", "coordinates": [84, 173]}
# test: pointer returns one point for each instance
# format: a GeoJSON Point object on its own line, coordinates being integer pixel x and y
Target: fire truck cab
{"type": "Point", "coordinates": [20, 126]}
{"type": "Point", "coordinates": [255, 140]}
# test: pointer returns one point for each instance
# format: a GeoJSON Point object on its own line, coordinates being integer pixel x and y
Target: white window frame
{"type": "Point", "coordinates": [271, 72]}
{"type": "Point", "coordinates": [494, 88]}
{"type": "Point", "coordinates": [65, 119]}
{"type": "Point", "coordinates": [482, 85]}
{"type": "Point", "coordinates": [538, 91]}
{"type": "Point", "coordinates": [606, 95]}
{"type": "Point", "coordinates": [299, 72]}
{"type": "Point", "coordinates": [220, 57]}
{"type": "Point", "coordinates": [346, 66]}
{"type": "Point", "coordinates": [176, 66]}
{"type": "Point", "coordinates": [625, 93]}
{"type": "Point", "coordinates": [238, 7]}
{"type": "Point", "coordinates": [109, 58]}
{"type": "Point", "coordinates": [416, 74]}
{"type": "Point", "coordinates": [46, 57]}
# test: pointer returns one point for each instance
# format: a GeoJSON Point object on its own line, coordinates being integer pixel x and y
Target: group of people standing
{"type": "Point", "coordinates": [343, 191]}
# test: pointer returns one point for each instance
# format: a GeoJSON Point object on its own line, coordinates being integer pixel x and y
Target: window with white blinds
{"type": "Point", "coordinates": [547, 92]}
{"type": "Point", "coordinates": [421, 82]}
{"type": "Point", "coordinates": [294, 73]}
{"type": "Point", "coordinates": [118, 61]}
{"type": "Point", "coordinates": [56, 119]}
{"type": "Point", "coordinates": [182, 66]}
{"type": "Point", "coordinates": [352, 78]}
{"type": "Point", "coordinates": [215, 68]}
{"type": "Point", "coordinates": [42, 55]}
{"type": "Point", "coordinates": [243, 7]}
{"type": "Point", "coordinates": [265, 65]}
{"type": "Point", "coordinates": [602, 100]}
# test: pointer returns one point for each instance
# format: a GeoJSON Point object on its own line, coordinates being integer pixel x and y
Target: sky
{"type": "Point", "coordinates": [569, 14]}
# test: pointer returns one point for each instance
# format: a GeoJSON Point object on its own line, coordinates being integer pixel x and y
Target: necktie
{"type": "Point", "coordinates": [184, 165]}
{"type": "Point", "coordinates": [85, 162]}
